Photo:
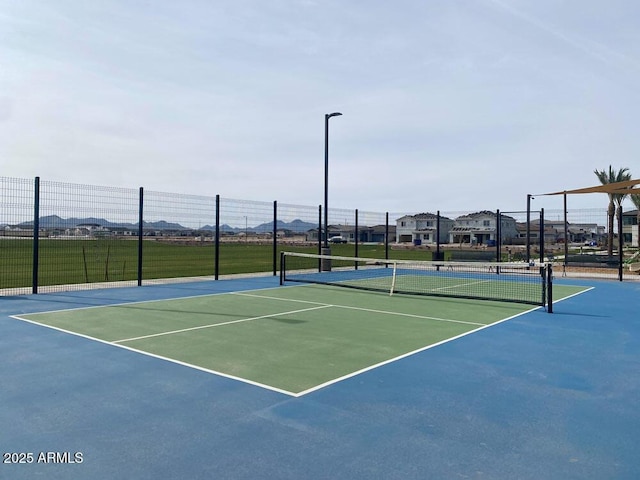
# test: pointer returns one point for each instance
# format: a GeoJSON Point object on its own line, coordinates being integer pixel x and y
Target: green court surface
{"type": "Point", "coordinates": [289, 339]}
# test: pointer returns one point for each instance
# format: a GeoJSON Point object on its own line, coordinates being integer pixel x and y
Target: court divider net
{"type": "Point", "coordinates": [500, 281]}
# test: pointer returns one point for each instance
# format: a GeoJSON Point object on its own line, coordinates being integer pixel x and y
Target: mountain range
{"type": "Point", "coordinates": [54, 221]}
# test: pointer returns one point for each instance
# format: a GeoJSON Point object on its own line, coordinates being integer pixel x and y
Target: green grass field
{"type": "Point", "coordinates": [64, 262]}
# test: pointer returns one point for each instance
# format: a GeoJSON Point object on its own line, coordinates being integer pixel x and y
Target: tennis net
{"type": "Point", "coordinates": [507, 282]}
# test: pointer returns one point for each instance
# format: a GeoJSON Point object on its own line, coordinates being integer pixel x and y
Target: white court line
{"type": "Point", "coordinates": [220, 324]}
{"type": "Point", "coordinates": [142, 302]}
{"type": "Point", "coordinates": [427, 347]}
{"type": "Point", "coordinates": [159, 357]}
{"type": "Point", "coordinates": [265, 297]}
{"type": "Point", "coordinates": [466, 284]}
{"type": "Point", "coordinates": [408, 354]}
{"type": "Point", "coordinates": [586, 289]}
{"type": "Point", "coordinates": [319, 306]}
{"type": "Point", "coordinates": [371, 310]}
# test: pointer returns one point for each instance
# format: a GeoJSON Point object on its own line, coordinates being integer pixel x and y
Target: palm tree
{"type": "Point", "coordinates": [605, 178]}
{"type": "Point", "coordinates": [636, 201]}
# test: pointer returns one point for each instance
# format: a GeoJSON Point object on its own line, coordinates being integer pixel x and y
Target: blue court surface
{"type": "Point", "coordinates": [537, 396]}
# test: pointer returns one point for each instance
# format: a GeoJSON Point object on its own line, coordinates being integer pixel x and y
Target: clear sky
{"type": "Point", "coordinates": [447, 105]}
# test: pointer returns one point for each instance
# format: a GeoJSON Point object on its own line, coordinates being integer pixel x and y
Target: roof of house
{"type": "Point", "coordinates": [472, 229]}
{"type": "Point", "coordinates": [483, 213]}
{"type": "Point", "coordinates": [425, 216]}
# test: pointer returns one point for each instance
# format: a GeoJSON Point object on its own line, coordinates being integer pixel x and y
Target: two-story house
{"type": "Point", "coordinates": [422, 229]}
{"type": "Point", "coordinates": [630, 228]}
{"type": "Point", "coordinates": [480, 228]}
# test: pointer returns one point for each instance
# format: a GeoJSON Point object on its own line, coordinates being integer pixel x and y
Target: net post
{"type": "Point", "coordinates": [393, 278]}
{"type": "Point", "coordinates": [282, 268]}
{"type": "Point", "coordinates": [386, 236]}
{"type": "Point", "coordinates": [549, 284]}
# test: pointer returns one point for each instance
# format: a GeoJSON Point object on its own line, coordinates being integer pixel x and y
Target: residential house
{"type": "Point", "coordinates": [534, 233]}
{"type": "Point", "coordinates": [366, 234]}
{"type": "Point", "coordinates": [554, 232]}
{"type": "Point", "coordinates": [376, 234]}
{"type": "Point", "coordinates": [423, 229]}
{"type": "Point", "coordinates": [88, 230]}
{"type": "Point", "coordinates": [630, 228]}
{"type": "Point", "coordinates": [585, 232]}
{"type": "Point", "coordinates": [479, 228]}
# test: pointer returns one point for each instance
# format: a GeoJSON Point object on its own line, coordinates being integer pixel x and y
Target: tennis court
{"type": "Point", "coordinates": [297, 339]}
{"type": "Point", "coordinates": [248, 379]}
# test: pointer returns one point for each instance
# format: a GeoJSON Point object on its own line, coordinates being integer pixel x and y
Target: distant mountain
{"type": "Point", "coordinates": [297, 226]}
{"type": "Point", "coordinates": [54, 221]}
{"type": "Point", "coordinates": [162, 225]}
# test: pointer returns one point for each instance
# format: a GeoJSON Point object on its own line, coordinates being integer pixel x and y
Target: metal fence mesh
{"type": "Point", "coordinates": [177, 235]}
{"type": "Point", "coordinates": [246, 241]}
{"type": "Point", "coordinates": [85, 235]}
{"type": "Point", "coordinates": [16, 234]}
{"type": "Point", "coordinates": [90, 236]}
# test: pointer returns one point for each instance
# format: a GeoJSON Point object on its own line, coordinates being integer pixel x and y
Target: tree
{"type": "Point", "coordinates": [606, 177]}
{"type": "Point", "coordinates": [635, 198]}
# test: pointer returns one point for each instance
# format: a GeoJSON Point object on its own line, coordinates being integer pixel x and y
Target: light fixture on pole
{"type": "Point", "coordinates": [326, 176]}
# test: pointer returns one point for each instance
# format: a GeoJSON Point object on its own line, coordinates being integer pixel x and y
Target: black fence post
{"type": "Point", "coordinates": [438, 238]}
{"type": "Point", "coordinates": [386, 237]}
{"type": "Point", "coordinates": [542, 235]}
{"type": "Point", "coordinates": [320, 236]}
{"type": "Point", "coordinates": [356, 235]}
{"type": "Point", "coordinates": [620, 243]}
{"type": "Point", "coordinates": [140, 232]}
{"type": "Point", "coordinates": [549, 281]}
{"type": "Point", "coordinates": [498, 236]}
{"type": "Point", "coordinates": [216, 261]}
{"type": "Point", "coordinates": [275, 237]}
{"type": "Point", "coordinates": [528, 228]}
{"type": "Point", "coordinates": [566, 236]}
{"type": "Point", "coordinates": [36, 234]}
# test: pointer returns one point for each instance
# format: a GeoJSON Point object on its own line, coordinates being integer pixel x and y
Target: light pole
{"type": "Point", "coordinates": [327, 116]}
